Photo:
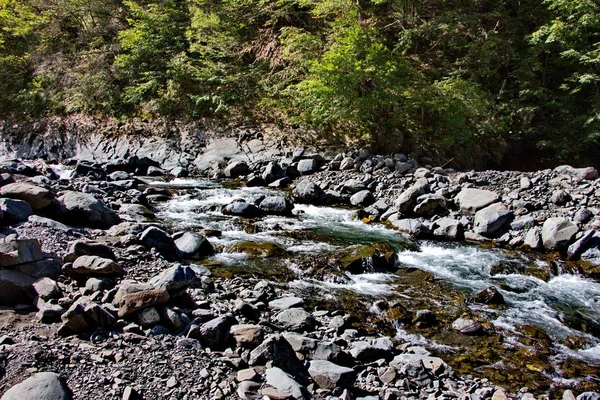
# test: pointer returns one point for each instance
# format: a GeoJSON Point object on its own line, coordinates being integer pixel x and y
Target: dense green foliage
{"type": "Point", "coordinates": [398, 74]}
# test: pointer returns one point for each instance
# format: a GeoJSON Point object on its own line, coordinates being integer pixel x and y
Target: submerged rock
{"type": "Point", "coordinates": [369, 258]}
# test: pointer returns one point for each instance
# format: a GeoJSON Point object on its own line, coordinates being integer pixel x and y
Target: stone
{"type": "Point", "coordinates": [353, 186]}
{"type": "Point", "coordinates": [329, 375]}
{"type": "Point", "coordinates": [525, 183]}
{"type": "Point", "coordinates": [46, 268]}
{"type": "Point", "coordinates": [284, 303]}
{"type": "Point", "coordinates": [428, 204]}
{"type": "Point", "coordinates": [248, 390]}
{"type": "Point", "coordinates": [560, 197]}
{"type": "Point", "coordinates": [83, 209]}
{"type": "Point", "coordinates": [88, 248]}
{"type": "Point", "coordinates": [492, 220]}
{"type": "Point", "coordinates": [100, 315]}
{"type": "Point", "coordinates": [193, 245]}
{"type": "Point", "coordinates": [467, 326]}
{"type": "Point", "coordinates": [434, 364]}
{"type": "Point", "coordinates": [132, 302]}
{"type": "Point", "coordinates": [296, 319]}
{"type": "Point", "coordinates": [589, 396]}
{"type": "Point", "coordinates": [407, 200]}
{"type": "Point", "coordinates": [411, 226]}
{"type": "Point", "coordinates": [578, 247]}
{"type": "Point", "coordinates": [46, 289]}
{"type": "Point", "coordinates": [308, 192]}
{"type": "Point", "coordinates": [37, 197]}
{"type": "Point", "coordinates": [49, 313]}
{"type": "Point", "coordinates": [284, 383]}
{"type": "Point", "coordinates": [472, 200]}
{"type": "Point", "coordinates": [75, 319]}
{"type": "Point", "coordinates": [347, 164]}
{"type": "Point", "coordinates": [215, 333]}
{"type": "Point", "coordinates": [533, 238]}
{"type": "Point", "coordinates": [367, 351]}
{"type": "Point", "coordinates": [94, 265]}
{"type": "Point", "coordinates": [276, 205]}
{"type": "Point", "coordinates": [363, 198]}
{"type": "Point", "coordinates": [557, 232]}
{"type": "Point", "coordinates": [523, 223]}
{"type": "Point", "coordinates": [277, 350]}
{"type": "Point", "coordinates": [242, 209]}
{"type": "Point", "coordinates": [19, 251]}
{"type": "Point", "coordinates": [16, 288]}
{"type": "Point", "coordinates": [307, 167]}
{"type": "Point", "coordinates": [377, 257]}
{"type": "Point", "coordinates": [248, 374]}
{"type": "Point", "coordinates": [448, 228]}
{"type": "Point", "coordinates": [176, 278]}
{"type": "Point", "coordinates": [159, 239]}
{"type": "Point", "coordinates": [583, 216]}
{"type": "Point", "coordinates": [41, 386]}
{"type": "Point", "coordinates": [273, 172]}
{"type": "Point", "coordinates": [235, 169]}
{"type": "Point", "coordinates": [246, 335]}
{"type": "Point", "coordinates": [147, 317]}
{"type": "Point", "coordinates": [588, 173]}
{"type": "Point", "coordinates": [489, 295]}
{"type": "Point", "coordinates": [14, 211]}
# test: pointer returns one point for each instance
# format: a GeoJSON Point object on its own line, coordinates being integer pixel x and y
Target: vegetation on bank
{"type": "Point", "coordinates": [398, 74]}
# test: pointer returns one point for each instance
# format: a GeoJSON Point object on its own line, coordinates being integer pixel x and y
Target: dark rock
{"type": "Point", "coordinates": [94, 265]}
{"type": "Point", "coordinates": [193, 245]}
{"type": "Point", "coordinates": [369, 258]}
{"type": "Point", "coordinates": [87, 248]}
{"type": "Point", "coordinates": [236, 169]}
{"type": "Point", "coordinates": [308, 192]}
{"type": "Point", "coordinates": [215, 333]}
{"type": "Point", "coordinates": [273, 172]}
{"type": "Point", "coordinates": [276, 205]}
{"type": "Point", "coordinates": [132, 302]}
{"type": "Point", "coordinates": [83, 209]}
{"type": "Point", "coordinates": [362, 199]}
{"type": "Point", "coordinates": [280, 353]}
{"type": "Point", "coordinates": [154, 237]}
{"type": "Point", "coordinates": [16, 288]}
{"type": "Point", "coordinates": [296, 319]}
{"type": "Point", "coordinates": [14, 211]}
{"type": "Point", "coordinates": [242, 209]}
{"type": "Point", "coordinates": [490, 295]}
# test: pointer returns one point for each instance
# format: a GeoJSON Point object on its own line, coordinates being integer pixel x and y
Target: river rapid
{"type": "Point", "coordinates": [545, 336]}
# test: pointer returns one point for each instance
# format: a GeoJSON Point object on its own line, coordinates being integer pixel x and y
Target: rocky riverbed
{"type": "Point", "coordinates": [295, 274]}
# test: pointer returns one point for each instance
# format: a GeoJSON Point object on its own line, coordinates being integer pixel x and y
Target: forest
{"type": "Point", "coordinates": [390, 74]}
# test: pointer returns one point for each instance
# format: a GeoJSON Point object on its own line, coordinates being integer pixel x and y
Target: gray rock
{"type": "Point", "coordinates": [159, 239]}
{"type": "Point", "coordinates": [46, 289]}
{"type": "Point", "coordinates": [236, 169]}
{"type": "Point", "coordinates": [434, 364]}
{"type": "Point", "coordinates": [193, 245]}
{"type": "Point", "coordinates": [560, 197]}
{"type": "Point", "coordinates": [285, 303]}
{"type": "Point", "coordinates": [41, 386]}
{"type": "Point", "coordinates": [583, 216]}
{"type": "Point", "coordinates": [75, 319]}
{"type": "Point", "coordinates": [577, 248]}
{"type": "Point", "coordinates": [147, 317]}
{"type": "Point", "coordinates": [467, 326]}
{"type": "Point", "coordinates": [215, 333]}
{"type": "Point", "coordinates": [273, 172]}
{"type": "Point", "coordinates": [242, 209]}
{"type": "Point", "coordinates": [533, 238]}
{"type": "Point", "coordinates": [588, 173]}
{"type": "Point", "coordinates": [472, 200]}
{"type": "Point", "coordinates": [279, 352]}
{"type": "Point", "coordinates": [284, 383]}
{"type": "Point", "coordinates": [83, 209]}
{"type": "Point", "coordinates": [557, 232]}
{"type": "Point", "coordinates": [46, 268]}
{"type": "Point", "coordinates": [492, 220]}
{"type": "Point", "coordinates": [367, 351]}
{"type": "Point", "coordinates": [329, 375]}
{"type": "Point", "coordinates": [176, 278]}
{"type": "Point", "coordinates": [523, 223]}
{"type": "Point", "coordinates": [94, 265]}
{"type": "Point", "coordinates": [448, 228]}
{"type": "Point", "coordinates": [525, 183]}
{"type": "Point", "coordinates": [430, 203]}
{"type": "Point", "coordinates": [119, 176]}
{"type": "Point", "coordinates": [14, 211]}
{"type": "Point", "coordinates": [353, 186]}
{"type": "Point", "coordinates": [363, 198]}
{"type": "Point", "coordinates": [248, 390]}
{"type": "Point", "coordinates": [413, 227]}
{"type": "Point", "coordinates": [87, 248]}
{"type": "Point", "coordinates": [589, 396]}
{"type": "Point", "coordinates": [407, 200]}
{"type": "Point", "coordinates": [246, 335]}
{"type": "Point", "coordinates": [37, 197]}
{"type": "Point", "coordinates": [16, 288]}
{"type": "Point", "coordinates": [296, 319]}
{"type": "Point", "coordinates": [19, 251]}
{"type": "Point", "coordinates": [132, 298]}
{"type": "Point", "coordinates": [306, 167]}
{"type": "Point", "coordinates": [308, 192]}
{"type": "Point", "coordinates": [276, 205]}
{"type": "Point", "coordinates": [49, 313]}
{"type": "Point", "coordinates": [347, 164]}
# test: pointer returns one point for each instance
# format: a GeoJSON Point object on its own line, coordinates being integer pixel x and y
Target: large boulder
{"type": "Point", "coordinates": [369, 258]}
{"type": "Point", "coordinates": [160, 240]}
{"type": "Point", "coordinates": [276, 205]}
{"type": "Point", "coordinates": [558, 232]}
{"type": "Point", "coordinates": [19, 251]}
{"type": "Point", "coordinates": [589, 173]}
{"type": "Point", "coordinates": [492, 220]}
{"type": "Point", "coordinates": [448, 228]}
{"type": "Point", "coordinates": [37, 197]}
{"type": "Point", "coordinates": [193, 245]}
{"type": "Point", "coordinates": [296, 319]}
{"type": "Point", "coordinates": [16, 288]}
{"type": "Point", "coordinates": [94, 265]}
{"type": "Point", "coordinates": [83, 209]}
{"type": "Point", "coordinates": [407, 200]}
{"type": "Point", "coordinates": [273, 172]}
{"type": "Point", "coordinates": [242, 209]}
{"type": "Point", "coordinates": [363, 198]}
{"type": "Point", "coordinates": [428, 204]}
{"type": "Point", "coordinates": [132, 302]}
{"type": "Point", "coordinates": [41, 386]}
{"type": "Point", "coordinates": [236, 169]}
{"type": "Point", "coordinates": [179, 277]}
{"type": "Point", "coordinates": [279, 352]}
{"type": "Point", "coordinates": [285, 385]}
{"type": "Point", "coordinates": [14, 211]}
{"type": "Point", "coordinates": [472, 200]}
{"type": "Point", "coordinates": [215, 333]}
{"type": "Point", "coordinates": [329, 375]}
{"type": "Point", "coordinates": [309, 192]}
{"type": "Point", "coordinates": [306, 167]}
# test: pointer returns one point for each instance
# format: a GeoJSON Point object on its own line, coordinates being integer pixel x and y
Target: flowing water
{"type": "Point", "coordinates": [564, 307]}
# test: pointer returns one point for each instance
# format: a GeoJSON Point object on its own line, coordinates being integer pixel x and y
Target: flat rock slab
{"type": "Point", "coordinates": [434, 364]}
{"type": "Point", "coordinates": [37, 197]}
{"type": "Point", "coordinates": [285, 303]}
{"type": "Point", "coordinates": [94, 265]}
{"type": "Point", "coordinates": [285, 384]}
{"type": "Point", "coordinates": [329, 375]}
{"type": "Point", "coordinates": [472, 200]}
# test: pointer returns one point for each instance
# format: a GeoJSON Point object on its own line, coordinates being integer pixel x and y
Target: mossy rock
{"type": "Point", "coordinates": [378, 257]}
{"type": "Point", "coordinates": [257, 249]}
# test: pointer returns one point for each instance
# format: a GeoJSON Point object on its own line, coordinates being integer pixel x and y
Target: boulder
{"type": "Point", "coordinates": [273, 172]}
{"type": "Point", "coordinates": [177, 278]}
{"type": "Point", "coordinates": [16, 288]}
{"type": "Point", "coordinates": [329, 375]}
{"type": "Point", "coordinates": [37, 197]}
{"type": "Point", "coordinates": [235, 169]}
{"type": "Point", "coordinates": [489, 295]}
{"type": "Point", "coordinates": [88, 248]}
{"type": "Point", "coordinates": [492, 220]}
{"type": "Point", "coordinates": [363, 198]}
{"type": "Point", "coordinates": [375, 349]}
{"type": "Point", "coordinates": [577, 248]}
{"type": "Point", "coordinates": [215, 333]}
{"type": "Point", "coordinates": [83, 209]}
{"type": "Point", "coordinates": [46, 289]}
{"type": "Point", "coordinates": [193, 245]}
{"type": "Point", "coordinates": [19, 251]}
{"type": "Point", "coordinates": [285, 384]}
{"type": "Point", "coordinates": [428, 204]}
{"type": "Point", "coordinates": [588, 173]}
{"type": "Point", "coordinates": [41, 386]}
{"type": "Point", "coordinates": [307, 167]}
{"type": "Point", "coordinates": [14, 211]}
{"type": "Point", "coordinates": [353, 186]}
{"type": "Point", "coordinates": [472, 200]}
{"type": "Point", "coordinates": [413, 227]}
{"type": "Point", "coordinates": [132, 302]}
{"type": "Point", "coordinates": [560, 197]}
{"type": "Point", "coordinates": [433, 364]}
{"type": "Point", "coordinates": [296, 319]}
{"type": "Point", "coordinates": [347, 164]}
{"type": "Point", "coordinates": [276, 205]}
{"type": "Point", "coordinates": [309, 192]}
{"type": "Point", "coordinates": [279, 352]}
{"type": "Point", "coordinates": [284, 303]}
{"type": "Point", "coordinates": [378, 257]}
{"type": "Point", "coordinates": [533, 238]}
{"type": "Point", "coordinates": [523, 223]}
{"type": "Point", "coordinates": [448, 228]}
{"type": "Point", "coordinates": [159, 239]}
{"type": "Point", "coordinates": [246, 335]}
{"type": "Point", "coordinates": [557, 232]}
{"type": "Point", "coordinates": [94, 265]}
{"type": "Point", "coordinates": [242, 209]}
{"type": "Point", "coordinates": [407, 200]}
